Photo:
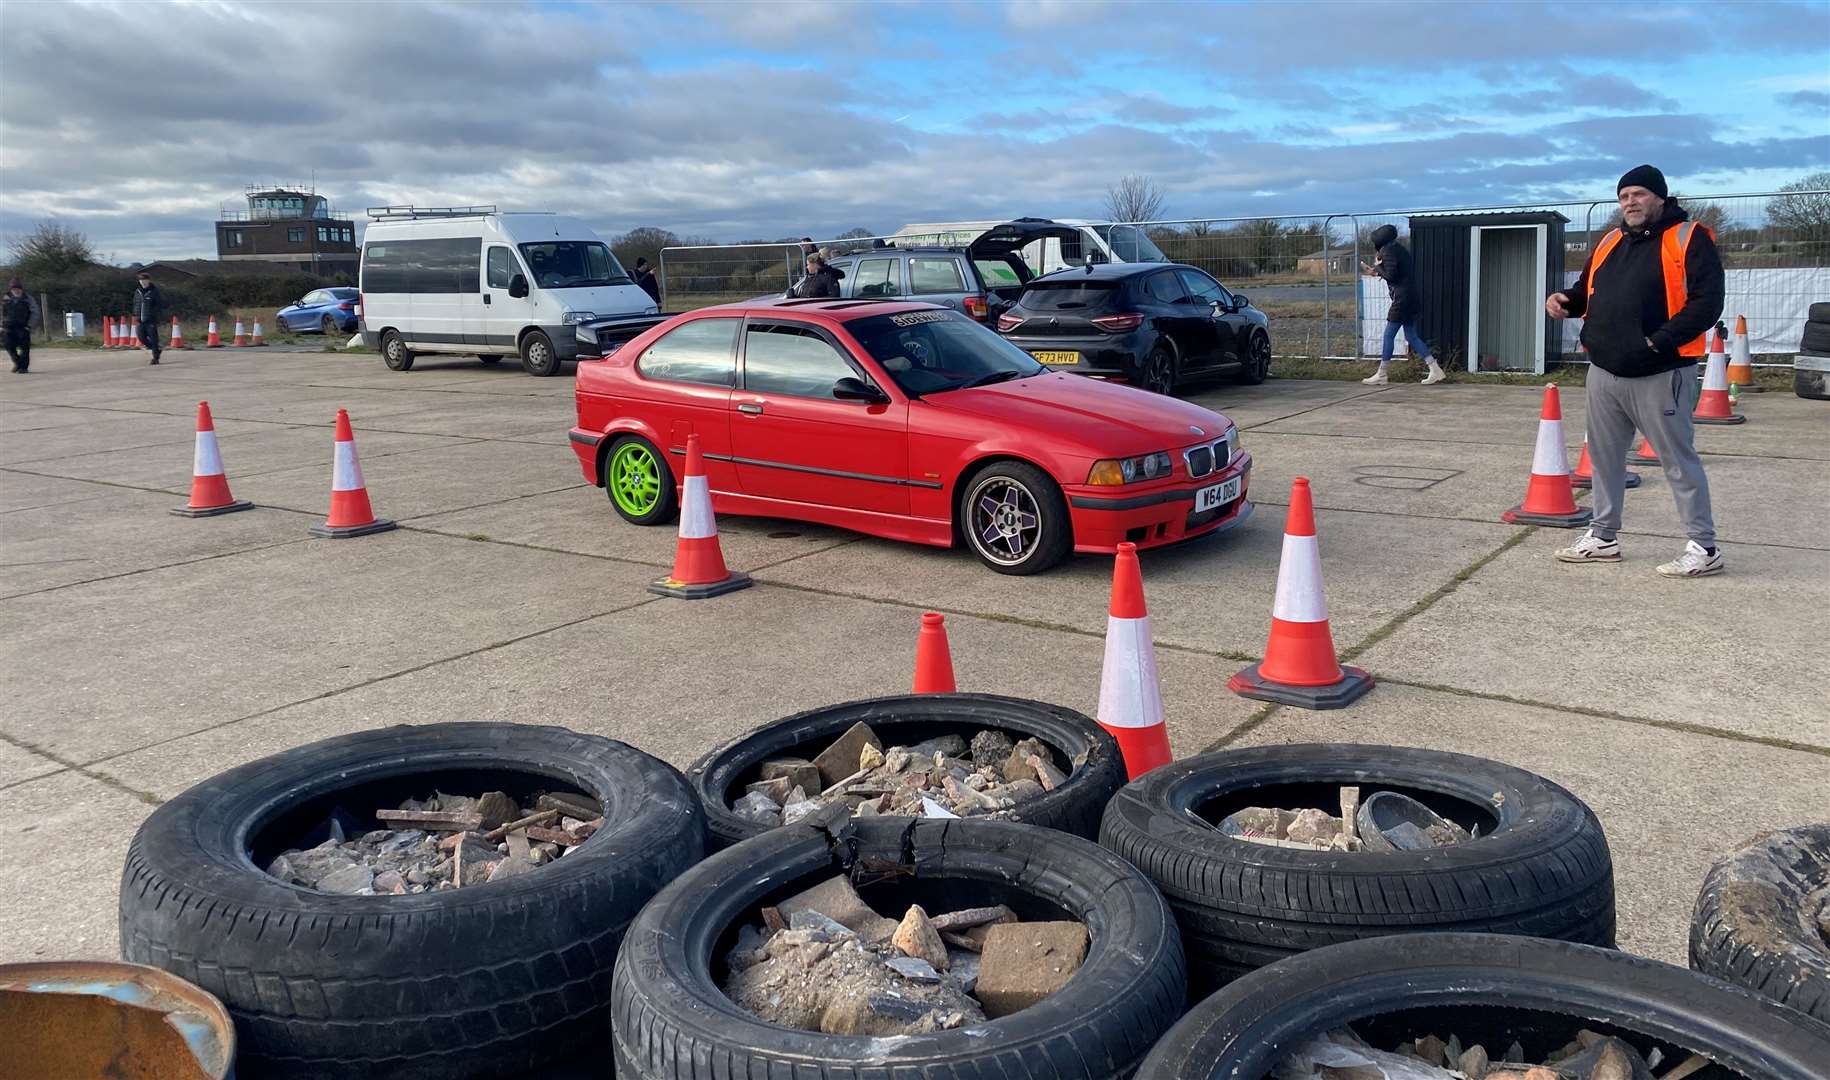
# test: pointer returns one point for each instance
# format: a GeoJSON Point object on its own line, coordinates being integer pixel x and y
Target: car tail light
{"type": "Point", "coordinates": [977, 307]}
{"type": "Point", "coordinates": [1118, 324]}
{"type": "Point", "coordinates": [346, 306]}
{"type": "Point", "coordinates": [1007, 323]}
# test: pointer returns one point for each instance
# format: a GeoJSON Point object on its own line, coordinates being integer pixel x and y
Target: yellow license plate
{"type": "Point", "coordinates": [1057, 357]}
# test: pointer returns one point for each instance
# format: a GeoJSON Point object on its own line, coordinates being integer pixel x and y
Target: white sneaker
{"type": "Point", "coordinates": [1694, 562]}
{"type": "Point", "coordinates": [1436, 375]}
{"type": "Point", "coordinates": [1590, 548]}
{"type": "Point", "coordinates": [1377, 378]}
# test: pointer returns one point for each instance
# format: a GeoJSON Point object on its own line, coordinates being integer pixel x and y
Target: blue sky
{"type": "Point", "coordinates": [760, 120]}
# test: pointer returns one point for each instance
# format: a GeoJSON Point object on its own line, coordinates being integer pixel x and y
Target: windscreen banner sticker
{"type": "Point", "coordinates": [915, 318]}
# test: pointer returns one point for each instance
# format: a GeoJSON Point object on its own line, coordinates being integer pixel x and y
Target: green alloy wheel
{"type": "Point", "coordinates": [640, 485]}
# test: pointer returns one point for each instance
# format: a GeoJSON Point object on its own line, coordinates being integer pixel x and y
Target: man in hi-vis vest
{"type": "Point", "coordinates": [1649, 294]}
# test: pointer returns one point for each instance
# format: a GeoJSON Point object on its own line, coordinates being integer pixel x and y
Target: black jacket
{"type": "Point", "coordinates": [646, 279]}
{"type": "Point", "coordinates": [823, 282]}
{"type": "Point", "coordinates": [1393, 263]}
{"type": "Point", "coordinates": [1629, 302]}
{"type": "Point", "coordinates": [147, 303]}
{"type": "Point", "coordinates": [16, 312]}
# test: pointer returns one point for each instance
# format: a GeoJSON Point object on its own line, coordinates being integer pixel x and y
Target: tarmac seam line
{"type": "Point", "coordinates": [1314, 408]}
{"type": "Point", "coordinates": [1397, 622]}
{"type": "Point", "coordinates": [153, 569]}
{"type": "Point", "coordinates": [103, 779]}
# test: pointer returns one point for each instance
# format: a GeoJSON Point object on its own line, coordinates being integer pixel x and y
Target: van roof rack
{"type": "Point", "coordinates": [384, 213]}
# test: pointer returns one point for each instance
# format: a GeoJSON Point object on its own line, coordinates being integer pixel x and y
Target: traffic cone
{"type": "Point", "coordinates": [107, 332]}
{"type": "Point", "coordinates": [1548, 498]}
{"type": "Point", "coordinates": [1130, 691]}
{"type": "Point", "coordinates": [177, 334]}
{"type": "Point", "coordinates": [1299, 667]}
{"type": "Point", "coordinates": [1741, 361]}
{"type": "Point", "coordinates": [1712, 403]}
{"type": "Point", "coordinates": [117, 330]}
{"type": "Point", "coordinates": [1584, 473]}
{"type": "Point", "coordinates": [1645, 455]}
{"type": "Point", "coordinates": [209, 487]}
{"type": "Point", "coordinates": [256, 338]}
{"type": "Point", "coordinates": [699, 571]}
{"type": "Point", "coordinates": [933, 661]}
{"type": "Point", "coordinates": [350, 513]}
{"type": "Point", "coordinates": [241, 336]}
{"type": "Point", "coordinates": [214, 340]}
{"type": "Point", "coordinates": [133, 334]}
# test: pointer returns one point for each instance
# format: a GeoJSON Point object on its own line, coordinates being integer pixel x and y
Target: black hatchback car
{"type": "Point", "coordinates": [1153, 325]}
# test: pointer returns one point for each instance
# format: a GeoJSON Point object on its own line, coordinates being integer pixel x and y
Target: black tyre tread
{"type": "Point", "coordinates": [485, 984]}
{"type": "Point", "coordinates": [1116, 1019]}
{"type": "Point", "coordinates": [1076, 807]}
{"type": "Point", "coordinates": [1815, 339]}
{"type": "Point", "coordinates": [1745, 929]}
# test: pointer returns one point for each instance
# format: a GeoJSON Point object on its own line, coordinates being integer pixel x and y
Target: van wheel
{"type": "Point", "coordinates": [394, 352]}
{"type": "Point", "coordinates": [492, 361]}
{"type": "Point", "coordinates": [537, 355]}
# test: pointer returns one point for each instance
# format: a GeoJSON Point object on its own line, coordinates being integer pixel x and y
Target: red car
{"type": "Point", "coordinates": [900, 420]}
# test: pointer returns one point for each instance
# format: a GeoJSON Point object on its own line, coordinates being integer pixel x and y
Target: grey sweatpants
{"type": "Point", "coordinates": [1658, 407]}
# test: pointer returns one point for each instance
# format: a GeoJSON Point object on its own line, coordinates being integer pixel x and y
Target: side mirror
{"type": "Point", "coordinates": [517, 286]}
{"type": "Point", "coordinates": [1240, 303]}
{"type": "Point", "coordinates": [854, 389]}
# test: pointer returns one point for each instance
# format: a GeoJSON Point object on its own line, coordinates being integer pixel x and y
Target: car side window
{"type": "Point", "coordinates": [878, 277]}
{"type": "Point", "coordinates": [698, 352]}
{"type": "Point", "coordinates": [935, 276]}
{"type": "Point", "coordinates": [316, 297]}
{"type": "Point", "coordinates": [794, 360]}
{"type": "Point", "coordinates": [501, 267]}
{"type": "Point", "coordinates": [1205, 289]}
{"type": "Point", "coordinates": [1166, 288]}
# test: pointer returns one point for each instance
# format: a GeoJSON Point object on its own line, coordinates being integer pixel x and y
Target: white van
{"type": "Point", "coordinates": [470, 280]}
{"type": "Point", "coordinates": [1097, 242]}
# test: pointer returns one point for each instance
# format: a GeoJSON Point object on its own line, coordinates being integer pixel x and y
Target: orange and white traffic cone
{"type": "Point", "coordinates": [134, 334]}
{"type": "Point", "coordinates": [1130, 691]}
{"type": "Point", "coordinates": [209, 487]}
{"type": "Point", "coordinates": [1584, 474]}
{"type": "Point", "coordinates": [1741, 360]}
{"type": "Point", "coordinates": [350, 513]}
{"type": "Point", "coordinates": [214, 338]}
{"type": "Point", "coordinates": [1645, 455]}
{"type": "Point", "coordinates": [115, 329]}
{"type": "Point", "coordinates": [107, 331]}
{"type": "Point", "coordinates": [933, 660]}
{"type": "Point", "coordinates": [241, 336]}
{"type": "Point", "coordinates": [1549, 499]}
{"type": "Point", "coordinates": [699, 569]}
{"type": "Point", "coordinates": [177, 334]}
{"type": "Point", "coordinates": [256, 338]}
{"type": "Point", "coordinates": [1712, 403]}
{"type": "Point", "coordinates": [1299, 667]}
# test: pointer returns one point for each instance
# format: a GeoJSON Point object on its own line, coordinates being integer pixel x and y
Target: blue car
{"type": "Point", "coordinates": [327, 311]}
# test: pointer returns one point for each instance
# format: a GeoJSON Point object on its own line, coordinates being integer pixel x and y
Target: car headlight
{"type": "Point", "coordinates": [1115, 471]}
{"type": "Point", "coordinates": [572, 317]}
{"type": "Point", "coordinates": [1232, 444]}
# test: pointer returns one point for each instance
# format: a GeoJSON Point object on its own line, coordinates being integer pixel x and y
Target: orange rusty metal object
{"type": "Point", "coordinates": [98, 1018]}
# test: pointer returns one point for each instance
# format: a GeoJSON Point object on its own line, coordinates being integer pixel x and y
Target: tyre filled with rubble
{"type": "Point", "coordinates": [879, 756]}
{"type": "Point", "coordinates": [1485, 1007]}
{"type": "Point", "coordinates": [1260, 858]}
{"type": "Point", "coordinates": [861, 949]}
{"type": "Point", "coordinates": [434, 946]}
{"type": "Point", "coordinates": [1762, 919]}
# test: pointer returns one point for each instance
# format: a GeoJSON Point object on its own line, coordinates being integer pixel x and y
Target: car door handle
{"type": "Point", "coordinates": [750, 410]}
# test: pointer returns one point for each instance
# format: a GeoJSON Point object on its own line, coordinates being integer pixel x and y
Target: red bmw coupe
{"type": "Point", "coordinates": [900, 420]}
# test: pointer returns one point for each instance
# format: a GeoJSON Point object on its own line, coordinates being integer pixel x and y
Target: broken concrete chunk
{"type": "Point", "coordinates": [898, 759]}
{"type": "Point", "coordinates": [1258, 821]}
{"type": "Point", "coordinates": [808, 919]}
{"type": "Point", "coordinates": [513, 866]}
{"type": "Point", "coordinates": [967, 918]}
{"type": "Point", "coordinates": [496, 808]}
{"type": "Point", "coordinates": [840, 760]}
{"type": "Point", "coordinates": [1046, 774]}
{"type": "Point", "coordinates": [913, 969]}
{"type": "Point", "coordinates": [795, 811]}
{"type": "Point", "coordinates": [776, 790]}
{"type": "Point", "coordinates": [518, 845]}
{"type": "Point", "coordinates": [915, 936]}
{"type": "Point", "coordinates": [1017, 766]}
{"type": "Point", "coordinates": [991, 747]}
{"type": "Point", "coordinates": [1473, 1063]}
{"type": "Point", "coordinates": [799, 772]}
{"type": "Point", "coordinates": [348, 881]}
{"type": "Point", "coordinates": [582, 807]}
{"type": "Point", "coordinates": [837, 900]}
{"type": "Point", "coordinates": [1023, 963]}
{"type": "Point", "coordinates": [947, 745]}
{"type": "Point", "coordinates": [1429, 1048]}
{"type": "Point", "coordinates": [1320, 828]}
{"type": "Point", "coordinates": [930, 808]}
{"type": "Point", "coordinates": [963, 968]}
{"type": "Point", "coordinates": [869, 757]}
{"type": "Point", "coordinates": [759, 808]}
{"type": "Point", "coordinates": [430, 819]}
{"type": "Point", "coordinates": [748, 951]}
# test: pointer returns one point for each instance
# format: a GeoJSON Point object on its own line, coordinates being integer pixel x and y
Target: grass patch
{"type": "Point", "coordinates": [479, 537]}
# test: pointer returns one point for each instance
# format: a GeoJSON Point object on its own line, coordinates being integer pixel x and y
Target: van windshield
{"type": "Point", "coordinates": [573, 264]}
{"type": "Point", "coordinates": [1130, 243]}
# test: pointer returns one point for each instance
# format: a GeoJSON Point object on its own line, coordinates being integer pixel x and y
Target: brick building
{"type": "Point", "coordinates": [295, 228]}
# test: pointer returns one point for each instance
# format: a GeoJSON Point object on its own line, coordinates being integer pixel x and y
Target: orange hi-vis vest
{"type": "Point", "coordinates": [1672, 247]}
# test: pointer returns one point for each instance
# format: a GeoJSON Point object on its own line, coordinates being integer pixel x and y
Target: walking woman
{"type": "Point", "coordinates": [1393, 263]}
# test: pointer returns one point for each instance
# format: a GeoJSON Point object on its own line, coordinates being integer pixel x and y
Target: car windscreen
{"type": "Point", "coordinates": [926, 352]}
{"type": "Point", "coordinates": [572, 264]}
{"type": "Point", "coordinates": [1067, 294]}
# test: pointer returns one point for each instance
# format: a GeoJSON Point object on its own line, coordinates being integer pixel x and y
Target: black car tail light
{"type": "Point", "coordinates": [1007, 323]}
{"type": "Point", "coordinates": [1118, 324]}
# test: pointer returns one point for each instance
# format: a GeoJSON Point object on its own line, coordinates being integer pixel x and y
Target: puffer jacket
{"type": "Point", "coordinates": [148, 303]}
{"type": "Point", "coordinates": [1393, 263]}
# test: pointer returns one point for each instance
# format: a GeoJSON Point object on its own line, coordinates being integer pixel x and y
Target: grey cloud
{"type": "Point", "coordinates": [1807, 99]}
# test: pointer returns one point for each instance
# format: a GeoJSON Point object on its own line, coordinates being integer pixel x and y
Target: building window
{"type": "Point", "coordinates": [323, 235]}
{"type": "Point", "coordinates": [234, 238]}
{"type": "Point", "coordinates": [295, 236]}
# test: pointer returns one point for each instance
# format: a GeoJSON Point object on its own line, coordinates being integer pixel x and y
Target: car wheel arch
{"type": "Point", "coordinates": [970, 471]}
{"type": "Point", "coordinates": [624, 427]}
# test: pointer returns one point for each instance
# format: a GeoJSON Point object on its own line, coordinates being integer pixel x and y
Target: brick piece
{"type": "Point", "coordinates": [496, 808]}
{"type": "Point", "coordinates": [840, 760]}
{"type": "Point", "coordinates": [1023, 963]}
{"type": "Point", "coordinates": [552, 836]}
{"type": "Point", "coordinates": [432, 820]}
{"type": "Point", "coordinates": [971, 917]}
{"type": "Point", "coordinates": [838, 901]}
{"type": "Point", "coordinates": [799, 772]}
{"type": "Point", "coordinates": [578, 806]}
{"type": "Point", "coordinates": [917, 937]}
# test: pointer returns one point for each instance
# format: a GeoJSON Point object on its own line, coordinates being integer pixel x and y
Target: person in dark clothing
{"type": "Point", "coordinates": [1393, 263]}
{"type": "Point", "coordinates": [646, 279]}
{"type": "Point", "coordinates": [1648, 296]}
{"type": "Point", "coordinates": [822, 280]}
{"type": "Point", "coordinates": [148, 305]}
{"type": "Point", "coordinates": [17, 312]}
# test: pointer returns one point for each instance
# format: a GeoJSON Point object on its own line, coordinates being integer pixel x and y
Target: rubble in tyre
{"type": "Point", "coordinates": [441, 842]}
{"type": "Point", "coordinates": [942, 777]}
{"type": "Point", "coordinates": [1343, 1055]}
{"type": "Point", "coordinates": [824, 960]}
{"type": "Point", "coordinates": [1386, 821]}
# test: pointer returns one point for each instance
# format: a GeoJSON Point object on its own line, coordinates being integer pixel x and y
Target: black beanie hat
{"type": "Point", "coordinates": [1645, 176]}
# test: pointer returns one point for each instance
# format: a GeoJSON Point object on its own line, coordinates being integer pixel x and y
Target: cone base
{"type": "Point", "coordinates": [1354, 684]}
{"type": "Point", "coordinates": [1749, 388]}
{"type": "Point", "coordinates": [1718, 419]}
{"type": "Point", "coordinates": [1519, 516]}
{"type": "Point", "coordinates": [1583, 481]}
{"type": "Point", "coordinates": [343, 532]}
{"type": "Point", "coordinates": [683, 591]}
{"type": "Point", "coordinates": [1641, 459]}
{"type": "Point", "coordinates": [212, 511]}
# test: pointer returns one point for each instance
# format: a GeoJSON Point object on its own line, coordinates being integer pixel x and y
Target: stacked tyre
{"type": "Point", "coordinates": [1811, 367]}
{"type": "Point", "coordinates": [1762, 918]}
{"type": "Point", "coordinates": [1539, 866]}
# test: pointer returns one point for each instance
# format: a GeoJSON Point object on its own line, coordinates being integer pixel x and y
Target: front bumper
{"type": "Point", "coordinates": [1104, 519]}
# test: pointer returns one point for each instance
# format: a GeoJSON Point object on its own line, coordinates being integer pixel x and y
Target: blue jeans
{"type": "Point", "coordinates": [1419, 348]}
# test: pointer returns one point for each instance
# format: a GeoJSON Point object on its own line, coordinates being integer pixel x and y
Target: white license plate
{"type": "Point", "coordinates": [1212, 498]}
